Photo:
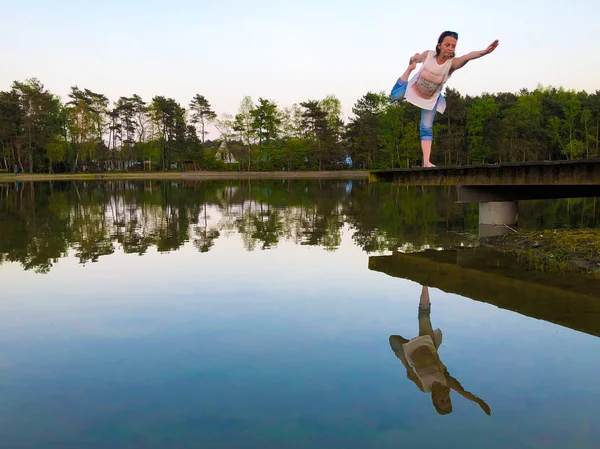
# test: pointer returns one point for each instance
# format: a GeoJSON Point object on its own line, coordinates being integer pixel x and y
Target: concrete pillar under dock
{"type": "Point", "coordinates": [499, 213]}
{"type": "Point", "coordinates": [498, 217]}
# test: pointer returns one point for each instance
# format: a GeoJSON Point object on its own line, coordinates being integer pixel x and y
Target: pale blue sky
{"type": "Point", "coordinates": [290, 51]}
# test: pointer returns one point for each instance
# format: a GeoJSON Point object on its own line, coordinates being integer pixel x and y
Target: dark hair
{"type": "Point", "coordinates": [443, 411]}
{"type": "Point", "coordinates": [441, 39]}
{"type": "Point", "coordinates": [437, 391]}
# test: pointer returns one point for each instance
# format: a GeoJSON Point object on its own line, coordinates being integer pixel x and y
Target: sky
{"type": "Point", "coordinates": [290, 51]}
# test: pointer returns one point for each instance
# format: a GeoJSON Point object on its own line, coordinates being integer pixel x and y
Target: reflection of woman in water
{"type": "Point", "coordinates": [423, 365]}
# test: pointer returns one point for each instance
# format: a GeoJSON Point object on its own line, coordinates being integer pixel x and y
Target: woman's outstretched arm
{"type": "Point", "coordinates": [460, 62]}
{"type": "Point", "coordinates": [456, 386]}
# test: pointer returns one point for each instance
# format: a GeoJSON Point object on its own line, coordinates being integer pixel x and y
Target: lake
{"type": "Point", "coordinates": [285, 314]}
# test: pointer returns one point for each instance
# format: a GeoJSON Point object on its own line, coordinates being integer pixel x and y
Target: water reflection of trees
{"type": "Point", "coordinates": [43, 222]}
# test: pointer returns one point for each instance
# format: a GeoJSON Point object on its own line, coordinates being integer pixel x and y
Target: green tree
{"type": "Point", "coordinates": [39, 120]}
{"type": "Point", "coordinates": [201, 113]}
{"type": "Point", "coordinates": [523, 123]}
{"type": "Point", "coordinates": [364, 131]}
{"type": "Point", "coordinates": [478, 128]}
{"type": "Point", "coordinates": [314, 121]}
{"type": "Point", "coordinates": [82, 125]}
{"type": "Point", "coordinates": [10, 117]}
{"type": "Point", "coordinates": [169, 119]}
{"type": "Point", "coordinates": [266, 121]}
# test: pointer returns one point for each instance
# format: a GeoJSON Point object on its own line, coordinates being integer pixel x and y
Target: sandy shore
{"type": "Point", "coordinates": [194, 175]}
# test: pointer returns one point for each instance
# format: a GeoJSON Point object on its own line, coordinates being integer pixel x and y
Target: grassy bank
{"type": "Point", "coordinates": [560, 249]}
{"type": "Point", "coordinates": [195, 175]}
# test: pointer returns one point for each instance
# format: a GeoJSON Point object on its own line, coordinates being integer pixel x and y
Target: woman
{"type": "Point", "coordinates": [425, 88]}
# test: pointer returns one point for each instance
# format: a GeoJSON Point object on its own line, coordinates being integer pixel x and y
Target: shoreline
{"type": "Point", "coordinates": [192, 176]}
{"type": "Point", "coordinates": [574, 250]}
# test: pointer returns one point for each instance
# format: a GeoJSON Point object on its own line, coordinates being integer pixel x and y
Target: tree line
{"type": "Point", "coordinates": [43, 222]}
{"type": "Point", "coordinates": [40, 132]}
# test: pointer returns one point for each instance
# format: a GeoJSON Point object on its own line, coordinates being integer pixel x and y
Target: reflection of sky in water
{"type": "Point", "coordinates": [280, 348]}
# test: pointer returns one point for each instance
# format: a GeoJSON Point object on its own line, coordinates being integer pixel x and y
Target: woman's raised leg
{"type": "Point", "coordinates": [399, 89]}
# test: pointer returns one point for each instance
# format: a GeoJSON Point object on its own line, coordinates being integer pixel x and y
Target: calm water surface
{"type": "Point", "coordinates": [258, 315]}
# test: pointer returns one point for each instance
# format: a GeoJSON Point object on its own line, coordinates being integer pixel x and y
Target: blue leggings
{"type": "Point", "coordinates": [426, 128]}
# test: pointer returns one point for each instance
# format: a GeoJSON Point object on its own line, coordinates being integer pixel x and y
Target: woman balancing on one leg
{"type": "Point", "coordinates": [425, 88]}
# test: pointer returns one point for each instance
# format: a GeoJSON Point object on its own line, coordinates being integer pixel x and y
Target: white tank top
{"type": "Point", "coordinates": [430, 372]}
{"type": "Point", "coordinates": [426, 86]}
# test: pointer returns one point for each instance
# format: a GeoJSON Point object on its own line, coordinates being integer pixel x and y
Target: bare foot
{"type": "Point", "coordinates": [412, 64]}
{"type": "Point", "coordinates": [428, 165]}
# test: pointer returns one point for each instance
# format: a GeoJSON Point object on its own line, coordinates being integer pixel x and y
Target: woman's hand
{"type": "Point", "coordinates": [491, 47]}
{"type": "Point", "coordinates": [486, 408]}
